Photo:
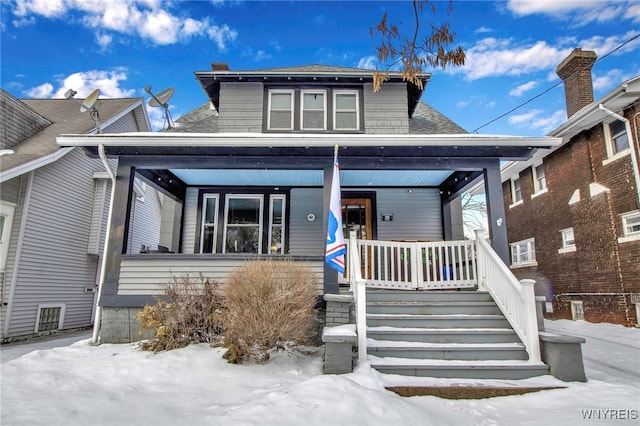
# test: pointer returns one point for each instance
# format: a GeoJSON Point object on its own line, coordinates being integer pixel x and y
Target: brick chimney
{"type": "Point", "coordinates": [575, 72]}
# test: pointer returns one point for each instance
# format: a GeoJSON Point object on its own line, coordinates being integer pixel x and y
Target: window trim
{"type": "Point", "coordinates": [42, 306]}
{"type": "Point", "coordinates": [302, 109]}
{"type": "Point", "coordinates": [512, 186]}
{"type": "Point", "coordinates": [260, 223]}
{"type": "Point", "coordinates": [567, 248]}
{"type": "Point", "coordinates": [337, 92]}
{"type": "Point", "coordinates": [628, 236]}
{"type": "Point", "coordinates": [531, 246]}
{"type": "Point", "coordinates": [292, 109]}
{"type": "Point", "coordinates": [536, 180]}
{"type": "Point", "coordinates": [577, 310]}
{"type": "Point", "coordinates": [203, 214]}
{"type": "Point", "coordinates": [612, 155]}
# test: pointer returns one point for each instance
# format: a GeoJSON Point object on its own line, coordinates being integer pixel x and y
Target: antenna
{"type": "Point", "coordinates": [91, 103]}
{"type": "Point", "coordinates": [160, 100]}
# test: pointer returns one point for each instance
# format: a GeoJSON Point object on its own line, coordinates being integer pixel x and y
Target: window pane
{"type": "Point", "coordinates": [277, 211]}
{"type": "Point", "coordinates": [280, 120]}
{"type": "Point", "coordinates": [208, 239]}
{"type": "Point", "coordinates": [313, 101]}
{"type": "Point", "coordinates": [210, 210]}
{"type": "Point", "coordinates": [281, 101]}
{"type": "Point", "coordinates": [542, 183]}
{"type": "Point", "coordinates": [621, 142]}
{"type": "Point", "coordinates": [346, 120]}
{"type": "Point", "coordinates": [276, 240]}
{"type": "Point", "coordinates": [313, 120]}
{"type": "Point", "coordinates": [243, 211]}
{"type": "Point", "coordinates": [242, 239]}
{"type": "Point", "coordinates": [346, 101]}
{"type": "Point", "coordinates": [632, 225]}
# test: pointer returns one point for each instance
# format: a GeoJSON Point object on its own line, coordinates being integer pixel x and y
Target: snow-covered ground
{"type": "Point", "coordinates": [66, 381]}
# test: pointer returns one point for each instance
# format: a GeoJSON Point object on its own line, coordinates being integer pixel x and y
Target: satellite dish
{"type": "Point", "coordinates": [160, 100]}
{"type": "Point", "coordinates": [90, 101]}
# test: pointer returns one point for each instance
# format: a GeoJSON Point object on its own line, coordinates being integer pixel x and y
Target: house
{"type": "Point", "coordinates": [573, 211]}
{"type": "Point", "coordinates": [250, 174]}
{"type": "Point", "coordinates": [53, 212]}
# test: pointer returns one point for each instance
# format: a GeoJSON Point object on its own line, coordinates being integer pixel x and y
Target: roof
{"type": "Point", "coordinates": [426, 120]}
{"type": "Point", "coordinates": [65, 117]}
{"type": "Point", "coordinates": [210, 80]}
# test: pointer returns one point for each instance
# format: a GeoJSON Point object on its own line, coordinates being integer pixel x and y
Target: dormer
{"type": "Point", "coordinates": [309, 99]}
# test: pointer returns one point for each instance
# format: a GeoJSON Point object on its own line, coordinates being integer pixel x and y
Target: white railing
{"type": "Point", "coordinates": [516, 299]}
{"type": "Point", "coordinates": [417, 265]}
{"type": "Point", "coordinates": [359, 290]}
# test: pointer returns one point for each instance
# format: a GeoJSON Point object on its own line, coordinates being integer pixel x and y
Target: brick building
{"type": "Point", "coordinates": [573, 212]}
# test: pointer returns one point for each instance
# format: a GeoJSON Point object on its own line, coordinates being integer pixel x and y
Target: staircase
{"type": "Point", "coordinates": [444, 334]}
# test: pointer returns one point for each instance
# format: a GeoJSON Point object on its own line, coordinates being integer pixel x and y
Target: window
{"type": "Point", "coordinates": [209, 220]}
{"type": "Point", "coordinates": [568, 241]}
{"type": "Point", "coordinates": [516, 192]}
{"type": "Point", "coordinates": [630, 226]}
{"type": "Point", "coordinates": [276, 224]}
{"type": "Point", "coordinates": [314, 106]}
{"type": "Point", "coordinates": [539, 179]}
{"type": "Point", "coordinates": [50, 317]}
{"type": "Point", "coordinates": [243, 224]}
{"type": "Point", "coordinates": [617, 140]}
{"type": "Point", "coordinates": [346, 110]}
{"type": "Point", "coordinates": [577, 310]}
{"type": "Point", "coordinates": [523, 253]}
{"type": "Point", "coordinates": [280, 110]}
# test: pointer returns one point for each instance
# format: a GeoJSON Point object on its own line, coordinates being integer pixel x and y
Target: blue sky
{"type": "Point", "coordinates": [121, 46]}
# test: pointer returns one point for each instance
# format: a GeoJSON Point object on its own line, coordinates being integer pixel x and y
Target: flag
{"type": "Point", "coordinates": [334, 256]}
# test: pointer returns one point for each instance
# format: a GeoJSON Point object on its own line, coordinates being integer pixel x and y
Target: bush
{"type": "Point", "coordinates": [193, 314]}
{"type": "Point", "coordinates": [269, 306]}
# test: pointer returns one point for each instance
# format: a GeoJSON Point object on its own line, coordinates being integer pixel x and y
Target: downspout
{"type": "Point", "coordinates": [105, 248]}
{"type": "Point", "coordinates": [632, 147]}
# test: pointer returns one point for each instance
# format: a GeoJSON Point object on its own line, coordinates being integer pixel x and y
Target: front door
{"type": "Point", "coordinates": [357, 216]}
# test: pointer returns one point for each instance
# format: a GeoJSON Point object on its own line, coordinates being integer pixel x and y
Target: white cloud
{"type": "Point", "coordinates": [152, 20]}
{"type": "Point", "coordinates": [40, 92]}
{"type": "Point", "coordinates": [526, 117]}
{"type": "Point", "coordinates": [633, 12]}
{"type": "Point", "coordinates": [103, 40]}
{"type": "Point", "coordinates": [519, 90]}
{"type": "Point", "coordinates": [368, 62]}
{"type": "Point", "coordinates": [578, 12]}
{"type": "Point", "coordinates": [608, 80]}
{"type": "Point", "coordinates": [533, 119]}
{"type": "Point", "coordinates": [260, 55]}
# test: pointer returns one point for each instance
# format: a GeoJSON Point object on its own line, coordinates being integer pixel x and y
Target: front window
{"type": "Point", "coordinates": [314, 106]}
{"type": "Point", "coordinates": [346, 110]}
{"type": "Point", "coordinates": [243, 224]}
{"type": "Point", "coordinates": [280, 110]}
{"type": "Point", "coordinates": [523, 253]}
{"type": "Point", "coordinates": [276, 224]}
{"type": "Point", "coordinates": [209, 221]}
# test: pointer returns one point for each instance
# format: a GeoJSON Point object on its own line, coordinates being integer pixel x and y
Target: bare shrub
{"type": "Point", "coordinates": [193, 314]}
{"type": "Point", "coordinates": [270, 306]}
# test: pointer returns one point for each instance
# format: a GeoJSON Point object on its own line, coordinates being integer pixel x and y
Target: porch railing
{"type": "Point", "coordinates": [516, 299]}
{"type": "Point", "coordinates": [440, 265]}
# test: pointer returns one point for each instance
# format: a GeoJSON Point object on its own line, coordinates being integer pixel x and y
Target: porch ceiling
{"type": "Point", "coordinates": [247, 177]}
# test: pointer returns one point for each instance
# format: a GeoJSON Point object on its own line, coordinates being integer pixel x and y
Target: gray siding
{"type": "Point", "coordinates": [54, 264]}
{"type": "Point", "coordinates": [241, 107]}
{"type": "Point", "coordinates": [416, 215]}
{"type": "Point", "coordinates": [9, 190]}
{"type": "Point", "coordinates": [143, 275]}
{"type": "Point", "coordinates": [145, 222]}
{"type": "Point", "coordinates": [190, 220]}
{"type": "Point", "coordinates": [126, 123]}
{"type": "Point", "coordinates": [305, 237]}
{"type": "Point", "coordinates": [385, 111]}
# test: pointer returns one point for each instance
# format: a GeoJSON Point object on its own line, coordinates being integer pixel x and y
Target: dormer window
{"type": "Point", "coordinates": [314, 110]}
{"type": "Point", "coordinates": [281, 110]}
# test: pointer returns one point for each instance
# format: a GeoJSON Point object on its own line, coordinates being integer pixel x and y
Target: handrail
{"type": "Point", "coordinates": [516, 299]}
{"type": "Point", "coordinates": [359, 295]}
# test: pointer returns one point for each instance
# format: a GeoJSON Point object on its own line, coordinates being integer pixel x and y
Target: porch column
{"type": "Point", "coordinates": [118, 232]}
{"type": "Point", "coordinates": [495, 212]}
{"type": "Point", "coordinates": [330, 275]}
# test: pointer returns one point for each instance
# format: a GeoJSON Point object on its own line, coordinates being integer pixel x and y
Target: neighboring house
{"type": "Point", "coordinates": [54, 205]}
{"type": "Point", "coordinates": [573, 212]}
{"type": "Point", "coordinates": [250, 175]}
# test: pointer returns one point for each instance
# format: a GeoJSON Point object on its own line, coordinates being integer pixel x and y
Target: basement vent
{"type": "Point", "coordinates": [577, 310]}
{"type": "Point", "coordinates": [49, 318]}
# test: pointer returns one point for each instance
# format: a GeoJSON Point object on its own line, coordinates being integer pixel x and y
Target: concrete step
{"type": "Point", "coordinates": [427, 296]}
{"type": "Point", "coordinates": [437, 321]}
{"type": "Point", "coordinates": [447, 351]}
{"type": "Point", "coordinates": [494, 369]}
{"type": "Point", "coordinates": [444, 335]}
{"type": "Point", "coordinates": [437, 307]}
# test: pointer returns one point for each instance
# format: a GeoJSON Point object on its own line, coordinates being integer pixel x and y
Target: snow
{"type": "Point", "coordinates": [69, 382]}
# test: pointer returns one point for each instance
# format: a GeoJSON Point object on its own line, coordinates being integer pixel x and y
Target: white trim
{"type": "Point", "coordinates": [544, 191]}
{"type": "Point", "coordinates": [596, 189]}
{"type": "Point", "coordinates": [608, 138]}
{"type": "Point", "coordinates": [273, 197]}
{"type": "Point", "coordinates": [62, 307]}
{"type": "Point", "coordinates": [531, 250]}
{"type": "Point", "coordinates": [570, 249]}
{"type": "Point", "coordinates": [169, 139]}
{"type": "Point", "coordinates": [33, 165]}
{"type": "Point", "coordinates": [324, 109]}
{"type": "Point", "coordinates": [101, 175]}
{"type": "Point", "coordinates": [512, 184]}
{"type": "Point", "coordinates": [626, 216]}
{"type": "Point", "coordinates": [628, 239]}
{"type": "Point", "coordinates": [226, 218]}
{"type": "Point", "coordinates": [215, 221]}
{"type": "Point", "coordinates": [7, 210]}
{"type": "Point", "coordinates": [575, 197]}
{"type": "Point", "coordinates": [280, 91]}
{"type": "Point", "coordinates": [622, 154]}
{"type": "Point", "coordinates": [575, 313]}
{"type": "Point", "coordinates": [516, 204]}
{"type": "Point", "coordinates": [357, 110]}
{"type": "Point", "coordinates": [536, 182]}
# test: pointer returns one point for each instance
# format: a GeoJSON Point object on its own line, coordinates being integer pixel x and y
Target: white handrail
{"type": "Point", "coordinates": [359, 295]}
{"type": "Point", "coordinates": [516, 299]}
